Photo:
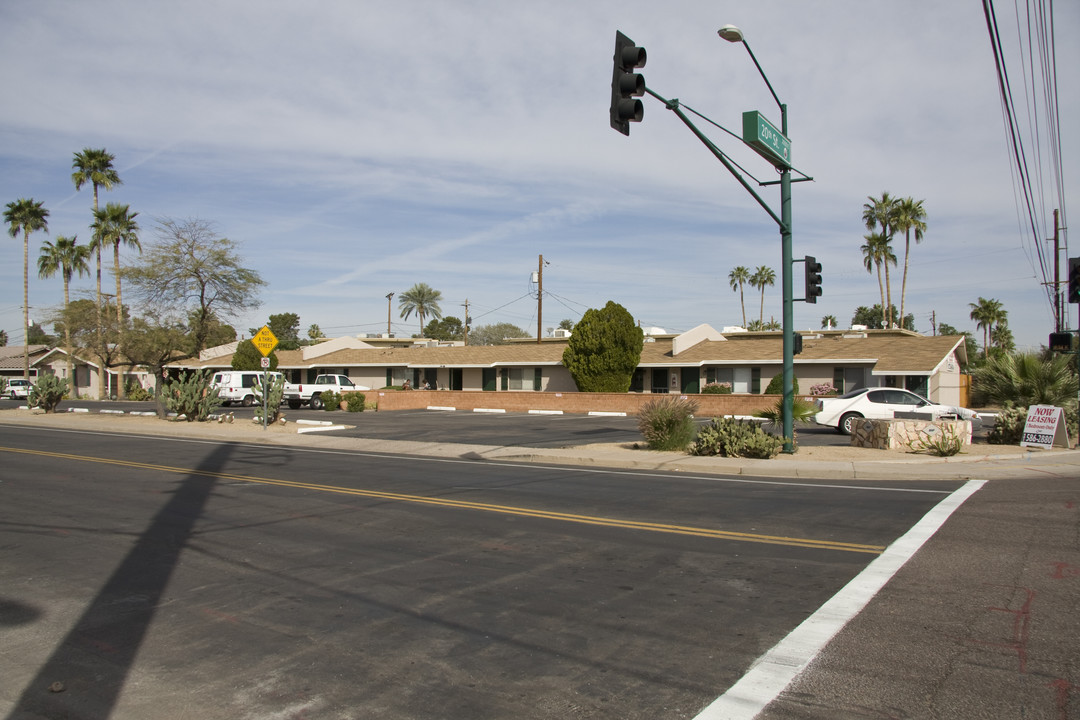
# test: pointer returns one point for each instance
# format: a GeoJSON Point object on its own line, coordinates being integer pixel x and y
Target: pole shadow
{"type": "Point", "coordinates": [85, 674]}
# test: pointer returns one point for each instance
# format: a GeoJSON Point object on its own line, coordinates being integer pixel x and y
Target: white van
{"type": "Point", "coordinates": [238, 386]}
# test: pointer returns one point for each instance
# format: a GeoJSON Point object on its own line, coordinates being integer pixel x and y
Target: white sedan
{"type": "Point", "coordinates": [881, 404]}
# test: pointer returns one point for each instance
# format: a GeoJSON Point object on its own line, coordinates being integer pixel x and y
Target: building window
{"type": "Point", "coordinates": [517, 378]}
{"type": "Point", "coordinates": [917, 384]}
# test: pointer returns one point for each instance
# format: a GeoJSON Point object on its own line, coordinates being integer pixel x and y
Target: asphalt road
{"type": "Point", "coordinates": [166, 578]}
{"type": "Point", "coordinates": [516, 429]}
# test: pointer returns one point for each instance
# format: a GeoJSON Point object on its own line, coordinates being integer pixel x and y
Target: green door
{"type": "Point", "coordinates": [691, 381]}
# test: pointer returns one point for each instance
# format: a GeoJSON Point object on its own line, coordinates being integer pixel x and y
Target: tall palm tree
{"type": "Point", "coordinates": [762, 276]}
{"type": "Point", "coordinates": [26, 216]}
{"type": "Point", "coordinates": [881, 212]}
{"type": "Point", "coordinates": [872, 259]}
{"type": "Point", "coordinates": [986, 314]}
{"type": "Point", "coordinates": [423, 300]}
{"type": "Point", "coordinates": [66, 257]}
{"type": "Point", "coordinates": [95, 166]}
{"type": "Point", "coordinates": [910, 215]}
{"type": "Point", "coordinates": [828, 322]}
{"type": "Point", "coordinates": [115, 225]}
{"type": "Point", "coordinates": [739, 277]}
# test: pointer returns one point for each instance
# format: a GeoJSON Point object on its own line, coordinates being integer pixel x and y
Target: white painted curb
{"type": "Point", "coordinates": [545, 412]}
{"type": "Point", "coordinates": [301, 431]}
{"type": "Point", "coordinates": [441, 407]}
{"type": "Point", "coordinates": [489, 410]}
{"type": "Point", "coordinates": [598, 413]}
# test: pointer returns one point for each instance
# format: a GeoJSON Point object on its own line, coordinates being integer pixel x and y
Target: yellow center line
{"type": "Point", "coordinates": [485, 507]}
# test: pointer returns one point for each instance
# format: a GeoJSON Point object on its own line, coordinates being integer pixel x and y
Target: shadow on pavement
{"type": "Point", "coordinates": [85, 674]}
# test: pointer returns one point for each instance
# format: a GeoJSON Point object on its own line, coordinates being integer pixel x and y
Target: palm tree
{"type": "Point", "coordinates": [115, 225]}
{"type": "Point", "coordinates": [94, 166]}
{"type": "Point", "coordinates": [762, 276]}
{"type": "Point", "coordinates": [739, 277]}
{"type": "Point", "coordinates": [828, 322]}
{"type": "Point", "coordinates": [986, 314]}
{"type": "Point", "coordinates": [67, 257]}
{"type": "Point", "coordinates": [910, 215]}
{"type": "Point", "coordinates": [1025, 379]}
{"type": "Point", "coordinates": [26, 216]}
{"type": "Point", "coordinates": [882, 212]}
{"type": "Point", "coordinates": [872, 258]}
{"type": "Point", "coordinates": [423, 300]}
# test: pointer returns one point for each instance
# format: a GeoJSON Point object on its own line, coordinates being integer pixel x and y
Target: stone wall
{"type": "Point", "coordinates": [906, 435]}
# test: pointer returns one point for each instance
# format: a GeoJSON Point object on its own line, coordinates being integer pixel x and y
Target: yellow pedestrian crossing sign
{"type": "Point", "coordinates": [265, 341]}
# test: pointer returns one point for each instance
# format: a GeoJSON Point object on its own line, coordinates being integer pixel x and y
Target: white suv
{"type": "Point", "coordinates": [18, 388]}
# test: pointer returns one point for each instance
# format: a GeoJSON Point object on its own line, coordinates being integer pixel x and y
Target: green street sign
{"type": "Point", "coordinates": [765, 139]}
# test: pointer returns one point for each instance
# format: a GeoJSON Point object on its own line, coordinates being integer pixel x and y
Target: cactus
{"type": "Point", "coordinates": [47, 393]}
{"type": "Point", "coordinates": [729, 437]}
{"type": "Point", "coordinates": [192, 396]}
{"type": "Point", "coordinates": [273, 401]}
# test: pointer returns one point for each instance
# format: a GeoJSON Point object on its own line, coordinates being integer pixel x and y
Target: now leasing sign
{"type": "Point", "coordinates": [1045, 427]}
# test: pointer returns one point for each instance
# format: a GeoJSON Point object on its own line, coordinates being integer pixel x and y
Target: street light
{"type": "Point", "coordinates": [735, 35]}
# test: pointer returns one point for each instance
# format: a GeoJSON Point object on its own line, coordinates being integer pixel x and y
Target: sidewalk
{"type": "Point", "coordinates": [977, 461]}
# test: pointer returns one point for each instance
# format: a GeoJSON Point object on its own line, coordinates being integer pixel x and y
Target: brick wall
{"type": "Point", "coordinates": [569, 402]}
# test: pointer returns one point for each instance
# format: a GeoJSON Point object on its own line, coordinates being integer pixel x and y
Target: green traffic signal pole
{"type": "Point", "coordinates": [784, 222]}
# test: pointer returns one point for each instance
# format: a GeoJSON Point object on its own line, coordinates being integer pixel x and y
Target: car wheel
{"type": "Point", "coordinates": [846, 422]}
{"type": "Point", "coordinates": [248, 401]}
{"type": "Point", "coordinates": [316, 402]}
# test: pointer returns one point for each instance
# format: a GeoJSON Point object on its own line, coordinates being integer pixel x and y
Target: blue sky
{"type": "Point", "coordinates": [356, 148]}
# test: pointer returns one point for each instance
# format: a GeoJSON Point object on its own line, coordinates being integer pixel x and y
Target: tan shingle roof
{"type": "Point", "coordinates": [890, 352]}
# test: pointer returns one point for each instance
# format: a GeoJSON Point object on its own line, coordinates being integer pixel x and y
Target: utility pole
{"type": "Point", "coordinates": [1059, 311]}
{"type": "Point", "coordinates": [933, 321]}
{"type": "Point", "coordinates": [388, 307]}
{"type": "Point", "coordinates": [540, 300]}
{"type": "Point", "coordinates": [466, 323]}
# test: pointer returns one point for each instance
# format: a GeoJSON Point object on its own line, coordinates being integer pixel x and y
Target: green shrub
{"type": "Point", "coordinates": [776, 385]}
{"type": "Point", "coordinates": [331, 400]}
{"type": "Point", "coordinates": [667, 422]}
{"type": "Point", "coordinates": [729, 437]}
{"type": "Point", "coordinates": [801, 411]}
{"type": "Point", "coordinates": [355, 402]}
{"type": "Point", "coordinates": [1008, 427]}
{"type": "Point", "coordinates": [716, 388]}
{"type": "Point", "coordinates": [47, 393]}
{"type": "Point", "coordinates": [191, 395]}
{"type": "Point", "coordinates": [136, 392]}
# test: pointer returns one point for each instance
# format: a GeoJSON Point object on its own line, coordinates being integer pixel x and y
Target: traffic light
{"type": "Point", "coordinates": [1061, 341]}
{"type": "Point", "coordinates": [813, 278]}
{"type": "Point", "coordinates": [626, 84]}
{"type": "Point", "coordinates": [1074, 280]}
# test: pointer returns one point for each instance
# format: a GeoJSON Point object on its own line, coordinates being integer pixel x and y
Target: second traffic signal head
{"type": "Point", "coordinates": [626, 84]}
{"type": "Point", "coordinates": [813, 278]}
{"type": "Point", "coordinates": [1074, 280]}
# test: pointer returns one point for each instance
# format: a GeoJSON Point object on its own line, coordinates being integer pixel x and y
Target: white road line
{"type": "Point", "coordinates": [775, 670]}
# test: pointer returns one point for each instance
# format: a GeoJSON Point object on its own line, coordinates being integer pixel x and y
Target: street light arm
{"type": "Point", "coordinates": [783, 107]}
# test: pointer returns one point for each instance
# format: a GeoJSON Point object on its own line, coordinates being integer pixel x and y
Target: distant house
{"type": "Point", "coordinates": [45, 360]}
{"type": "Point", "coordinates": [680, 363]}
